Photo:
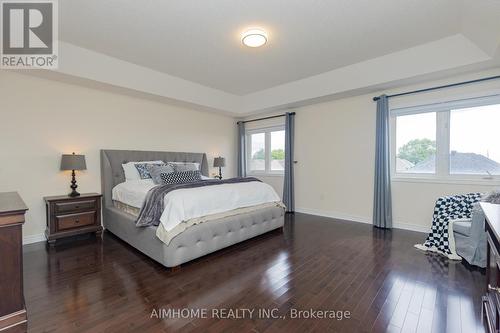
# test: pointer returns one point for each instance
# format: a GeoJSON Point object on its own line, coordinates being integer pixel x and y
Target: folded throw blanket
{"type": "Point", "coordinates": [153, 207]}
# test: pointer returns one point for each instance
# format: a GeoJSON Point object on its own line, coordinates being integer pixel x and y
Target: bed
{"type": "Point", "coordinates": [194, 242]}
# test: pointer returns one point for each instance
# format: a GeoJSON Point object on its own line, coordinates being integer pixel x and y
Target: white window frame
{"type": "Point", "coordinates": [442, 173]}
{"type": "Point", "coordinates": [267, 150]}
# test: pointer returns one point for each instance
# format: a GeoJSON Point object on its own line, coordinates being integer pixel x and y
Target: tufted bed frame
{"type": "Point", "coordinates": [194, 242]}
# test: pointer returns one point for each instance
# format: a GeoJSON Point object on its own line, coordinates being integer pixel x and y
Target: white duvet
{"type": "Point", "coordinates": [186, 204]}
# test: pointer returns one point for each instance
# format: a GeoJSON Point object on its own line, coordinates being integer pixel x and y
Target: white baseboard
{"type": "Point", "coordinates": [334, 215]}
{"type": "Point", "coordinates": [412, 227]}
{"type": "Point", "coordinates": [34, 239]}
{"type": "Point", "coordinates": [361, 219]}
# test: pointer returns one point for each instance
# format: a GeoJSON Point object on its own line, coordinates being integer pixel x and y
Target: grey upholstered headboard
{"type": "Point", "coordinates": [112, 172]}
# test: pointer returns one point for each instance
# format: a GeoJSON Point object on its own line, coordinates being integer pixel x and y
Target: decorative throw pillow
{"type": "Point", "coordinates": [156, 170]}
{"type": "Point", "coordinates": [181, 177]}
{"type": "Point", "coordinates": [142, 168]}
{"type": "Point", "coordinates": [184, 166]}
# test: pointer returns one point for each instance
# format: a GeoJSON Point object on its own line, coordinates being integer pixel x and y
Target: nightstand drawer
{"type": "Point", "coordinates": [65, 222]}
{"type": "Point", "coordinates": [63, 207]}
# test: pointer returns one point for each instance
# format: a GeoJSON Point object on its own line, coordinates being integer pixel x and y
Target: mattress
{"type": "Point", "coordinates": [134, 211]}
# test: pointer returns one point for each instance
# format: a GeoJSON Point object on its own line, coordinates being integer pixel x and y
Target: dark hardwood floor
{"type": "Point", "coordinates": [317, 263]}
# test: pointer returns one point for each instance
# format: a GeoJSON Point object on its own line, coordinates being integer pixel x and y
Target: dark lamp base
{"type": "Point", "coordinates": [74, 194]}
{"type": "Point", "coordinates": [73, 186]}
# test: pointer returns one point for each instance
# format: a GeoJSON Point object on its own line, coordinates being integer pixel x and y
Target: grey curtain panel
{"type": "Point", "coordinates": [241, 150]}
{"type": "Point", "coordinates": [382, 203]}
{"type": "Point", "coordinates": [289, 186]}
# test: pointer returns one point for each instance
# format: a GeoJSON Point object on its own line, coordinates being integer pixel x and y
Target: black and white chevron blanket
{"type": "Point", "coordinates": [446, 209]}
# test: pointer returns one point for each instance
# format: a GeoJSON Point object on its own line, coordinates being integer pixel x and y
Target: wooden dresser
{"type": "Point", "coordinates": [13, 316]}
{"type": "Point", "coordinates": [69, 216]}
{"type": "Point", "coordinates": [491, 301]}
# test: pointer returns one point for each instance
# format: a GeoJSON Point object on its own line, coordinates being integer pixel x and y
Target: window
{"type": "Point", "coordinates": [416, 143]}
{"type": "Point", "coordinates": [452, 140]}
{"type": "Point", "coordinates": [475, 140]}
{"type": "Point", "coordinates": [266, 151]}
{"type": "Point", "coordinates": [257, 152]}
{"type": "Point", "coordinates": [278, 150]}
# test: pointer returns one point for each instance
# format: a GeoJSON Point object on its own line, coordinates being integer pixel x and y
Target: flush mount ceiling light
{"type": "Point", "coordinates": [254, 38]}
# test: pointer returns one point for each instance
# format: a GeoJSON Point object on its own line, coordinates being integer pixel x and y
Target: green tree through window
{"type": "Point", "coordinates": [277, 154]}
{"type": "Point", "coordinates": [417, 150]}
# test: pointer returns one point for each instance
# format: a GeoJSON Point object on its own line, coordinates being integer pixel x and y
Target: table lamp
{"type": "Point", "coordinates": [219, 162]}
{"type": "Point", "coordinates": [73, 162]}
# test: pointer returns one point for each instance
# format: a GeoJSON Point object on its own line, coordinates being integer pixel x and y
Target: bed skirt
{"type": "Point", "coordinates": [197, 240]}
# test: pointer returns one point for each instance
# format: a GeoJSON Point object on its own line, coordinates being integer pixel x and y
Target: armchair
{"type": "Point", "coordinates": [470, 237]}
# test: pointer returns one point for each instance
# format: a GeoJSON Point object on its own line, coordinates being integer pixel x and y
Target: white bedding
{"type": "Point", "coordinates": [133, 192]}
{"type": "Point", "coordinates": [186, 204]}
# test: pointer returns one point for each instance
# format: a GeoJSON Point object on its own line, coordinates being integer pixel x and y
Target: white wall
{"type": "Point", "coordinates": [335, 152]}
{"type": "Point", "coordinates": [334, 146]}
{"type": "Point", "coordinates": [40, 119]}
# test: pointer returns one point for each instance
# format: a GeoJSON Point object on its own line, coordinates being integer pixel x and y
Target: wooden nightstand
{"type": "Point", "coordinates": [69, 216]}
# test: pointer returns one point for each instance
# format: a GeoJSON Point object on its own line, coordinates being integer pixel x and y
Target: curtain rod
{"type": "Point", "coordinates": [440, 87]}
{"type": "Point", "coordinates": [270, 117]}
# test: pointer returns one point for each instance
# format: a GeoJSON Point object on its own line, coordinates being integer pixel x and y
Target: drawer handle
{"type": "Point", "coordinates": [76, 207]}
{"type": "Point", "coordinates": [493, 289]}
{"type": "Point", "coordinates": [77, 221]}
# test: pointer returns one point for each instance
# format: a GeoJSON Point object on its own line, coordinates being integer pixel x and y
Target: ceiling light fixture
{"type": "Point", "coordinates": [254, 38]}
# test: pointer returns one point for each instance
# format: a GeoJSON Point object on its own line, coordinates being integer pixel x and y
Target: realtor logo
{"type": "Point", "coordinates": [29, 34]}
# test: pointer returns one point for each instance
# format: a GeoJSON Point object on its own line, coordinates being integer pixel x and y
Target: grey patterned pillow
{"type": "Point", "coordinates": [181, 177]}
{"type": "Point", "coordinates": [184, 166]}
{"type": "Point", "coordinates": [156, 170]}
{"type": "Point", "coordinates": [142, 168]}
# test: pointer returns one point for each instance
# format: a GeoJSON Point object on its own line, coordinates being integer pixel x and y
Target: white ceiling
{"type": "Point", "coordinates": [190, 52]}
{"type": "Point", "coordinates": [200, 40]}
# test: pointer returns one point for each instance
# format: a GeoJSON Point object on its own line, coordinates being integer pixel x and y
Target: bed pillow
{"type": "Point", "coordinates": [131, 172]}
{"type": "Point", "coordinates": [156, 170]}
{"type": "Point", "coordinates": [142, 168]}
{"type": "Point", "coordinates": [181, 177]}
{"type": "Point", "coordinates": [185, 166]}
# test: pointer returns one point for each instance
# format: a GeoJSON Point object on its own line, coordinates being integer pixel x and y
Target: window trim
{"type": "Point", "coordinates": [267, 149]}
{"type": "Point", "coordinates": [442, 173]}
